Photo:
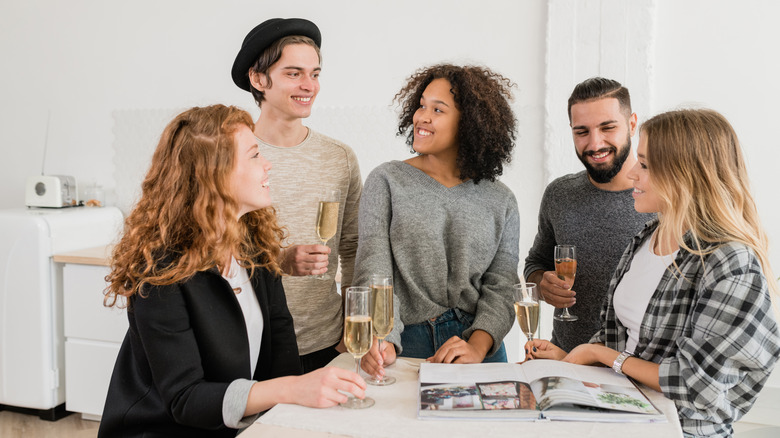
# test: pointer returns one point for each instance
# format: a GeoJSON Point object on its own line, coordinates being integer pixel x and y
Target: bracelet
{"type": "Point", "coordinates": [617, 365]}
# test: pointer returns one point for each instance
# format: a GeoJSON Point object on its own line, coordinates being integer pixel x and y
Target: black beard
{"type": "Point", "coordinates": [605, 175]}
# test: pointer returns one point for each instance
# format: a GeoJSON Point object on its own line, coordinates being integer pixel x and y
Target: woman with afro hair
{"type": "Point", "coordinates": [441, 224]}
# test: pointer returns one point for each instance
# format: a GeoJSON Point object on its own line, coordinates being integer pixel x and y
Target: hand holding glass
{"type": "Point", "coordinates": [327, 216]}
{"type": "Point", "coordinates": [566, 269]}
{"type": "Point", "coordinates": [382, 318]}
{"type": "Point", "coordinates": [357, 334]}
{"type": "Point", "coordinates": [527, 308]}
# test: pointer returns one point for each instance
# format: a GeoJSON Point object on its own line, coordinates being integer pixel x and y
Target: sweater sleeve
{"type": "Point", "coordinates": [540, 256]}
{"type": "Point", "coordinates": [495, 314]}
{"type": "Point", "coordinates": [234, 404]}
{"type": "Point", "coordinates": [374, 253]}
{"type": "Point", "coordinates": [349, 223]}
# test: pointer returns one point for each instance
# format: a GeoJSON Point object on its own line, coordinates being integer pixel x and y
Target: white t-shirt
{"type": "Point", "coordinates": [636, 288]}
{"type": "Point", "coordinates": [239, 278]}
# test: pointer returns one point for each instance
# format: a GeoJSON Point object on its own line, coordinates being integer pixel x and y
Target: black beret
{"type": "Point", "coordinates": [262, 36]}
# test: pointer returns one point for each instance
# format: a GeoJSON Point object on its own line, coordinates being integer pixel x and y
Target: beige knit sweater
{"type": "Point", "coordinates": [298, 175]}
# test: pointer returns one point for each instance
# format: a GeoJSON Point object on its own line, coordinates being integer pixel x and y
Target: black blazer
{"type": "Point", "coordinates": [186, 343]}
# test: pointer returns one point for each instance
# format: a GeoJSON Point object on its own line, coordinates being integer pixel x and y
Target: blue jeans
{"type": "Point", "coordinates": [423, 339]}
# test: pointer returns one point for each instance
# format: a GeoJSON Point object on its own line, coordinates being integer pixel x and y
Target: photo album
{"type": "Point", "coordinates": [534, 390]}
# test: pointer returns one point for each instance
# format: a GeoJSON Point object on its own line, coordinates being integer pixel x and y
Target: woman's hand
{"type": "Point", "coordinates": [320, 388]}
{"type": "Point", "coordinates": [456, 350]}
{"type": "Point", "coordinates": [300, 260]}
{"type": "Point", "coordinates": [317, 389]}
{"type": "Point", "coordinates": [373, 363]}
{"type": "Point", "coordinates": [541, 349]}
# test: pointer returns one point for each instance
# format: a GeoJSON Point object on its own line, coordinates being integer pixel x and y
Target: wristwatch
{"type": "Point", "coordinates": [617, 365]}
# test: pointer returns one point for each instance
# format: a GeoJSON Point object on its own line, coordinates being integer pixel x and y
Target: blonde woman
{"type": "Point", "coordinates": [689, 310]}
{"type": "Point", "coordinates": [211, 343]}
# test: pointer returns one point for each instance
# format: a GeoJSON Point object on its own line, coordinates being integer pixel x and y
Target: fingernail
{"type": "Point", "coordinates": [534, 349]}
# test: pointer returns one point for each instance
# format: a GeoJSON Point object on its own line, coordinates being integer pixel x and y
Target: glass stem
{"type": "Point", "coordinates": [380, 378]}
{"type": "Point", "coordinates": [357, 371]}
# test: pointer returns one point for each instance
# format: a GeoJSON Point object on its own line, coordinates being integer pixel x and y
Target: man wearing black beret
{"type": "Point", "coordinates": [279, 63]}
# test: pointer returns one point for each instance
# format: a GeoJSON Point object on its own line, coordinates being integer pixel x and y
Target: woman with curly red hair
{"type": "Point", "coordinates": [211, 342]}
{"type": "Point", "coordinates": [441, 224]}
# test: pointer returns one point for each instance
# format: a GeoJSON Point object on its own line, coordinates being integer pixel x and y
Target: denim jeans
{"type": "Point", "coordinates": [423, 339]}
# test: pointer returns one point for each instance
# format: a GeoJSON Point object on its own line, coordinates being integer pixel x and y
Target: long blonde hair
{"type": "Point", "coordinates": [180, 225]}
{"type": "Point", "coordinates": [697, 168]}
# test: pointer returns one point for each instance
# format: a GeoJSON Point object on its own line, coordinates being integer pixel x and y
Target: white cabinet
{"type": "Point", "coordinates": [93, 335]}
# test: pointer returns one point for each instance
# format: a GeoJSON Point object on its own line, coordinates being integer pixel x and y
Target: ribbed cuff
{"type": "Point", "coordinates": [234, 405]}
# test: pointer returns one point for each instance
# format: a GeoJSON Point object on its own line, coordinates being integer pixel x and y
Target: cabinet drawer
{"type": "Point", "coordinates": [85, 315]}
{"type": "Point", "coordinates": [88, 366]}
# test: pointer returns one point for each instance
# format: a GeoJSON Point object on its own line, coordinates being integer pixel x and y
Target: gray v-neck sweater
{"type": "Point", "coordinates": [446, 247]}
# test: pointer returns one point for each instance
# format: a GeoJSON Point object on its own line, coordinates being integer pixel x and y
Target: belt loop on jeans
{"type": "Point", "coordinates": [456, 316]}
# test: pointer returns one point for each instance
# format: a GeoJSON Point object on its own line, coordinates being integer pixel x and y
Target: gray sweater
{"type": "Point", "coordinates": [600, 224]}
{"type": "Point", "coordinates": [445, 247]}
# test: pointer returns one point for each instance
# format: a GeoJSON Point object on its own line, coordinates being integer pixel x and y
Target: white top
{"type": "Point", "coordinates": [239, 281]}
{"type": "Point", "coordinates": [636, 288]}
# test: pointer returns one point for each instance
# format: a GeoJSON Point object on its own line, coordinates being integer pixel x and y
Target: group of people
{"type": "Point", "coordinates": [219, 275]}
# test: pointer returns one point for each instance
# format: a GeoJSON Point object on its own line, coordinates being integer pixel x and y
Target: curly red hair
{"type": "Point", "coordinates": [179, 225]}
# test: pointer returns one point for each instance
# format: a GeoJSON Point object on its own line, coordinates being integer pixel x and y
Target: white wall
{"type": "Point", "coordinates": [81, 60]}
{"type": "Point", "coordinates": [84, 59]}
{"type": "Point", "coordinates": [723, 55]}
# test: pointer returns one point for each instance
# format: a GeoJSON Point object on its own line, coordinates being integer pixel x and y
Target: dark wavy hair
{"type": "Point", "coordinates": [486, 129]}
{"type": "Point", "coordinates": [600, 88]}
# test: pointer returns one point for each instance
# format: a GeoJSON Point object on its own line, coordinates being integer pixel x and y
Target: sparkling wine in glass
{"type": "Point", "coordinates": [381, 317]}
{"type": "Point", "coordinates": [327, 217]}
{"type": "Point", "coordinates": [566, 269]}
{"type": "Point", "coordinates": [357, 334]}
{"type": "Point", "coordinates": [527, 308]}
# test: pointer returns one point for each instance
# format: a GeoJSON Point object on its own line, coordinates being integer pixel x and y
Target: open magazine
{"type": "Point", "coordinates": [537, 389]}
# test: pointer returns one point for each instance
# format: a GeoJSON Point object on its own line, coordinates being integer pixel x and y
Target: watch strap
{"type": "Point", "coordinates": [617, 365]}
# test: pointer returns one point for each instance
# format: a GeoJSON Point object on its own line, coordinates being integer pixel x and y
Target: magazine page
{"type": "Point", "coordinates": [482, 391]}
{"type": "Point", "coordinates": [571, 388]}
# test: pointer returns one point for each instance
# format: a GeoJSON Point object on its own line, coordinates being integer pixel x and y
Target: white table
{"type": "Point", "coordinates": [395, 415]}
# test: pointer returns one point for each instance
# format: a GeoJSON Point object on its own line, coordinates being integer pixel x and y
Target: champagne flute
{"type": "Point", "coordinates": [566, 268]}
{"type": "Point", "coordinates": [381, 317]}
{"type": "Point", "coordinates": [527, 308]}
{"type": "Point", "coordinates": [327, 217]}
{"type": "Point", "coordinates": [357, 334]}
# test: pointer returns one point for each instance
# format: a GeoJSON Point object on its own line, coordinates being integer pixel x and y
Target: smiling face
{"type": "Point", "coordinates": [646, 199]}
{"type": "Point", "coordinates": [294, 83]}
{"type": "Point", "coordinates": [436, 120]}
{"type": "Point", "coordinates": [249, 177]}
{"type": "Point", "coordinates": [602, 137]}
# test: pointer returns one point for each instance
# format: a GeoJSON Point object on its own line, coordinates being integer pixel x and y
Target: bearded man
{"type": "Point", "coordinates": [592, 209]}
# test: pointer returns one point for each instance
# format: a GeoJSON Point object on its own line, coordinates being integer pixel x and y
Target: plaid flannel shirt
{"type": "Point", "coordinates": [712, 330]}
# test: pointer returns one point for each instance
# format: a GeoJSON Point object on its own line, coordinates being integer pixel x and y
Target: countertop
{"type": "Point", "coordinates": [97, 256]}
